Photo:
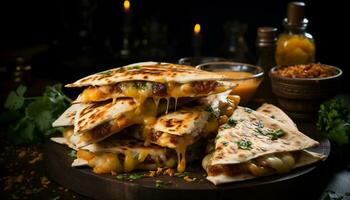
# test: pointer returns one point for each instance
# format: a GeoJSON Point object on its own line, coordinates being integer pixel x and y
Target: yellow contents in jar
{"type": "Point", "coordinates": [294, 49]}
{"type": "Point", "coordinates": [246, 88]}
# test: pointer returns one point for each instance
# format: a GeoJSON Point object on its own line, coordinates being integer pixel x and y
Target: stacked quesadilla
{"type": "Point", "coordinates": [167, 106]}
{"type": "Point", "coordinates": [149, 115]}
{"type": "Point", "coordinates": [258, 143]}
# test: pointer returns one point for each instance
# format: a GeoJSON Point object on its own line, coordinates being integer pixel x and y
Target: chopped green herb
{"type": "Point", "coordinates": [107, 72]}
{"type": "Point", "coordinates": [273, 116]}
{"type": "Point", "coordinates": [244, 144]}
{"type": "Point", "coordinates": [159, 183]}
{"type": "Point", "coordinates": [133, 67]}
{"type": "Point", "coordinates": [141, 85]}
{"type": "Point", "coordinates": [260, 124]}
{"type": "Point", "coordinates": [225, 143]}
{"type": "Point", "coordinates": [211, 111]}
{"type": "Point", "coordinates": [248, 110]}
{"type": "Point", "coordinates": [72, 154]}
{"type": "Point", "coordinates": [274, 135]}
{"type": "Point", "coordinates": [130, 177]}
{"type": "Point", "coordinates": [232, 122]}
{"type": "Point", "coordinates": [259, 131]}
{"type": "Point", "coordinates": [136, 176]}
{"type": "Point", "coordinates": [181, 175]}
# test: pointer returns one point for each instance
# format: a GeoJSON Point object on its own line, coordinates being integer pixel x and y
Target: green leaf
{"type": "Point", "coordinates": [181, 175]}
{"type": "Point", "coordinates": [40, 112]}
{"type": "Point", "coordinates": [244, 144]}
{"type": "Point", "coordinates": [15, 99]}
{"type": "Point", "coordinates": [23, 132]}
{"type": "Point", "coordinates": [334, 120]}
{"type": "Point", "coordinates": [72, 154]}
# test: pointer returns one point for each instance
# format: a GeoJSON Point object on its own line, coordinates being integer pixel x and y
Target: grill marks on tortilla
{"type": "Point", "coordinates": [95, 114]}
{"type": "Point", "coordinates": [155, 73]}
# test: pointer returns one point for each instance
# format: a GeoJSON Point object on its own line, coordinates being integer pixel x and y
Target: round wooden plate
{"type": "Point", "coordinates": [85, 182]}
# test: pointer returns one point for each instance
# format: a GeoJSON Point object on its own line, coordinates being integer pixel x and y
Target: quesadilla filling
{"type": "Point", "coordinates": [127, 160]}
{"type": "Point", "coordinates": [161, 133]}
{"type": "Point", "coordinates": [261, 166]}
{"type": "Point", "coordinates": [140, 90]}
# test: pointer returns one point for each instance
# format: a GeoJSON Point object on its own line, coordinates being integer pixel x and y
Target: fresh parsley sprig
{"type": "Point", "coordinates": [334, 120]}
{"type": "Point", "coordinates": [29, 119]}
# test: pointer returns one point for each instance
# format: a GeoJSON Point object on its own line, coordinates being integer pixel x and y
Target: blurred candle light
{"type": "Point", "coordinates": [197, 29]}
{"type": "Point", "coordinates": [125, 51]}
{"type": "Point", "coordinates": [126, 5]}
{"type": "Point", "coordinates": [197, 40]}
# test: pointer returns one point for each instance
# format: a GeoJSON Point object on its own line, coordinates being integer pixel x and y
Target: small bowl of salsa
{"type": "Point", "coordinates": [300, 89]}
{"type": "Point", "coordinates": [247, 76]}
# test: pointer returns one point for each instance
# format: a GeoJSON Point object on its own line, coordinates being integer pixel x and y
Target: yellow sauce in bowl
{"type": "Point", "coordinates": [246, 88]}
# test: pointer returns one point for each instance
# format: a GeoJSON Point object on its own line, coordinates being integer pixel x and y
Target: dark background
{"type": "Point", "coordinates": [82, 36]}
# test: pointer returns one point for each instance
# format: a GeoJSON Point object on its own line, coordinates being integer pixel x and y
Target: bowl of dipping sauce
{"type": "Point", "coordinates": [247, 76]}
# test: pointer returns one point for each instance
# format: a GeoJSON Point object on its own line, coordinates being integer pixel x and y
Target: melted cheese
{"type": "Point", "coordinates": [145, 115]}
{"type": "Point", "coordinates": [105, 162]}
{"type": "Point", "coordinates": [140, 94]}
{"type": "Point", "coordinates": [265, 165]}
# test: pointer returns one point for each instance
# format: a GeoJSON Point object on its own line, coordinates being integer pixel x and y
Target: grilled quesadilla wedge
{"type": "Point", "coordinates": [184, 127]}
{"type": "Point", "coordinates": [96, 121]}
{"type": "Point", "coordinates": [253, 145]}
{"type": "Point", "coordinates": [155, 80]}
{"type": "Point", "coordinates": [123, 155]}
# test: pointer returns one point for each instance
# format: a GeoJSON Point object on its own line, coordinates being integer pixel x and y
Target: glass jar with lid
{"type": "Point", "coordinates": [295, 45]}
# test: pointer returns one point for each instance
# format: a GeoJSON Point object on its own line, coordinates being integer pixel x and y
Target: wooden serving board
{"type": "Point", "coordinates": [85, 182]}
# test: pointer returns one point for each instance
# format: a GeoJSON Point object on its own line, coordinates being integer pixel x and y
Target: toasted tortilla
{"type": "Point", "coordinates": [254, 145]}
{"type": "Point", "coordinates": [67, 118]}
{"type": "Point", "coordinates": [148, 71]}
{"type": "Point", "coordinates": [151, 80]}
{"type": "Point", "coordinates": [95, 122]}
{"type": "Point", "coordinates": [184, 127]}
{"type": "Point", "coordinates": [276, 113]}
{"type": "Point", "coordinates": [122, 155]}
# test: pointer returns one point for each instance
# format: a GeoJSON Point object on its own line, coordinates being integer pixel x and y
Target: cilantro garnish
{"type": "Point", "coordinates": [130, 177]}
{"type": "Point", "coordinates": [244, 144]}
{"type": "Point", "coordinates": [72, 154]}
{"type": "Point", "coordinates": [107, 72]}
{"type": "Point", "coordinates": [273, 134]}
{"type": "Point", "coordinates": [232, 122]}
{"type": "Point", "coordinates": [260, 124]}
{"type": "Point", "coordinates": [133, 67]}
{"type": "Point", "coordinates": [212, 111]}
{"type": "Point", "coordinates": [29, 119]}
{"type": "Point", "coordinates": [334, 120]}
{"type": "Point", "coordinates": [181, 175]}
{"type": "Point", "coordinates": [225, 143]}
